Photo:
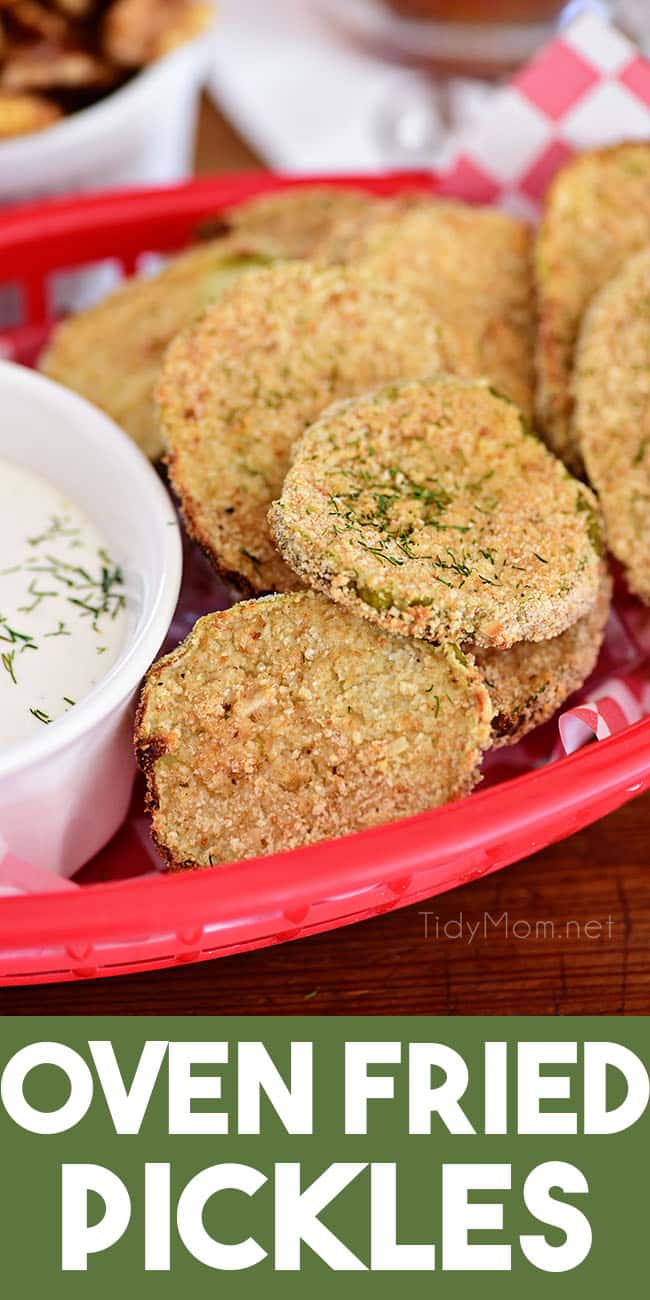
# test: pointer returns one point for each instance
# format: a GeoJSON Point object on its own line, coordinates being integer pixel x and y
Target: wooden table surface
{"type": "Point", "coordinates": [565, 932]}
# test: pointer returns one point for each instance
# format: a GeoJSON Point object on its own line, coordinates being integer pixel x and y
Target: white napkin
{"type": "Point", "coordinates": [310, 101]}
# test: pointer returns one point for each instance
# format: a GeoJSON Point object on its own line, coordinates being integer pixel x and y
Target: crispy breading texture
{"type": "Point", "coordinates": [21, 114]}
{"type": "Point", "coordinates": [240, 387]}
{"type": "Point", "coordinates": [529, 682]}
{"type": "Point", "coordinates": [285, 720]}
{"type": "Point", "coordinates": [596, 214]}
{"type": "Point", "coordinates": [292, 222]}
{"type": "Point", "coordinates": [113, 352]}
{"type": "Point", "coordinates": [472, 266]}
{"type": "Point", "coordinates": [429, 508]}
{"type": "Point", "coordinates": [612, 413]}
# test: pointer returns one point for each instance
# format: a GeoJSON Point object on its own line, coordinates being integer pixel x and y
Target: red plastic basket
{"type": "Point", "coordinates": [148, 921]}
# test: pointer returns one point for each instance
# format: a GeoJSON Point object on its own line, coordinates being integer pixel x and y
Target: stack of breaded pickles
{"type": "Point", "coordinates": [404, 432]}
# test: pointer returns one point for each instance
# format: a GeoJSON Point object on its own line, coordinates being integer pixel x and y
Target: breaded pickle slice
{"type": "Point", "coordinates": [472, 267]}
{"type": "Point", "coordinates": [612, 413]}
{"type": "Point", "coordinates": [291, 222]}
{"type": "Point", "coordinates": [240, 387]}
{"type": "Point", "coordinates": [112, 352]}
{"type": "Point", "coordinates": [286, 720]}
{"type": "Point", "coordinates": [427, 507]}
{"type": "Point", "coordinates": [529, 682]}
{"type": "Point", "coordinates": [597, 213]}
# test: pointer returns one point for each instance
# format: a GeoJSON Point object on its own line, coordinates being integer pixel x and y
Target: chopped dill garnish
{"type": "Point", "coordinates": [40, 715]}
{"type": "Point", "coordinates": [59, 527]}
{"type": "Point", "coordinates": [593, 524]}
{"type": "Point", "coordinates": [8, 660]}
{"type": "Point", "coordinates": [37, 597]}
{"type": "Point", "coordinates": [459, 566]}
{"type": "Point", "coordinates": [380, 553]}
{"type": "Point", "coordinates": [457, 652]}
{"type": "Point", "coordinates": [436, 700]}
{"type": "Point", "coordinates": [61, 572]}
{"type": "Point", "coordinates": [97, 596]}
{"type": "Point", "coordinates": [13, 636]}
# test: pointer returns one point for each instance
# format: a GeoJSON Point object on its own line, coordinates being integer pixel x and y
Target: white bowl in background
{"type": "Point", "coordinates": [65, 790]}
{"type": "Point", "coordinates": [140, 134]}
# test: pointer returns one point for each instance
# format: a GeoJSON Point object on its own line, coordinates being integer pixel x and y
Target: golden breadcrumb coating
{"type": "Point", "coordinates": [112, 353]}
{"type": "Point", "coordinates": [597, 213]}
{"type": "Point", "coordinates": [472, 266]}
{"type": "Point", "coordinates": [612, 413]}
{"type": "Point", "coordinates": [529, 682]}
{"type": "Point", "coordinates": [240, 387]}
{"type": "Point", "coordinates": [290, 223]}
{"type": "Point", "coordinates": [429, 508]}
{"type": "Point", "coordinates": [286, 720]}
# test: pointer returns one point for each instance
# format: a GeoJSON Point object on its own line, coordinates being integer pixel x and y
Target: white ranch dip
{"type": "Point", "coordinates": [62, 604]}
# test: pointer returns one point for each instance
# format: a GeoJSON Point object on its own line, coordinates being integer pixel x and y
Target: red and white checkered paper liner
{"type": "Point", "coordinates": [590, 87]}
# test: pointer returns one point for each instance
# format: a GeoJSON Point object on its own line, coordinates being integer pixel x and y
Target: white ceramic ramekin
{"type": "Point", "coordinates": [65, 790]}
{"type": "Point", "coordinates": [141, 134]}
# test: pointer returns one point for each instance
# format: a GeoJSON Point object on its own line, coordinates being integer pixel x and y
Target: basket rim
{"type": "Point", "coordinates": [621, 763]}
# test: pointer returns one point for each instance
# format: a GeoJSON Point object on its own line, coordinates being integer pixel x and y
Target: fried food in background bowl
{"type": "Point", "coordinates": [70, 53]}
{"type": "Point", "coordinates": [98, 89]}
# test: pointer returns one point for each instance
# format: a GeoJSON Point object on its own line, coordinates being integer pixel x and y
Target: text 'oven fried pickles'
{"type": "Point", "coordinates": [612, 413]}
{"type": "Point", "coordinates": [531, 680]}
{"type": "Point", "coordinates": [596, 214]}
{"type": "Point", "coordinates": [241, 386]}
{"type": "Point", "coordinates": [285, 720]}
{"type": "Point", "coordinates": [112, 352]}
{"type": "Point", "coordinates": [472, 266]}
{"type": "Point", "coordinates": [429, 508]}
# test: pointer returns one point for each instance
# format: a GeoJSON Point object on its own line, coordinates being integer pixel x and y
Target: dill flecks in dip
{"type": "Point", "coordinates": [62, 604]}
